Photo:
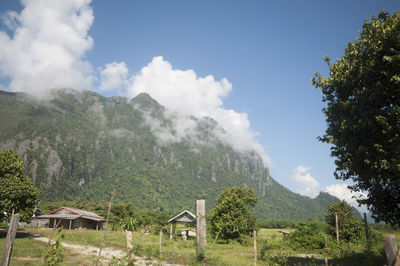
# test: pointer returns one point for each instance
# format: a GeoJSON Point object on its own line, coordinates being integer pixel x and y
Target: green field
{"type": "Point", "coordinates": [27, 251]}
{"type": "Point", "coordinates": [271, 245]}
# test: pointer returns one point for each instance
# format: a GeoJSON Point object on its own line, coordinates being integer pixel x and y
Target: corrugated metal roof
{"type": "Point", "coordinates": [59, 216]}
{"type": "Point", "coordinates": [186, 215]}
{"type": "Point", "coordinates": [74, 213]}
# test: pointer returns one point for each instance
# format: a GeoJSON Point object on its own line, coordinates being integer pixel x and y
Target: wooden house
{"type": "Point", "coordinates": [71, 218]}
{"type": "Point", "coordinates": [183, 217]}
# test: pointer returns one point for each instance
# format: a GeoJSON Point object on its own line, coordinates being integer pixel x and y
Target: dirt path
{"type": "Point", "coordinates": [107, 253]}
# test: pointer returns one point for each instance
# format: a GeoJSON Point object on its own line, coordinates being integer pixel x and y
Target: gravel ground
{"type": "Point", "coordinates": [107, 253]}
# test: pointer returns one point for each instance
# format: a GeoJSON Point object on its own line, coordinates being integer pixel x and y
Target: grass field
{"type": "Point", "coordinates": [27, 251]}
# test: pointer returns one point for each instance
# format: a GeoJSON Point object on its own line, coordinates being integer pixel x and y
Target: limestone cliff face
{"type": "Point", "coordinates": [80, 144]}
{"type": "Point", "coordinates": [82, 141]}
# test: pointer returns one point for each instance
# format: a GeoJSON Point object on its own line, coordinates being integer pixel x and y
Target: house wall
{"type": "Point", "coordinates": [77, 223]}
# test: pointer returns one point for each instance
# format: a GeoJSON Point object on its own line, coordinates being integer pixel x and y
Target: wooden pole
{"type": "Point", "coordinates": [8, 245]}
{"type": "Point", "coordinates": [255, 247]}
{"type": "Point", "coordinates": [128, 235]}
{"type": "Point", "coordinates": [70, 224]}
{"type": "Point", "coordinates": [170, 230]}
{"type": "Point", "coordinates": [129, 246]}
{"type": "Point", "coordinates": [105, 229]}
{"type": "Point", "coordinates": [391, 250]}
{"type": "Point", "coordinates": [200, 228]}
{"type": "Point", "coordinates": [366, 231]}
{"type": "Point", "coordinates": [337, 230]}
{"type": "Point", "coordinates": [161, 234]}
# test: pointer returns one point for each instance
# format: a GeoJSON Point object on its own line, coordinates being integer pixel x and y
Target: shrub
{"type": "Point", "coordinates": [350, 228]}
{"type": "Point", "coordinates": [308, 235]}
{"type": "Point", "coordinates": [272, 253]}
{"type": "Point", "coordinates": [54, 255]}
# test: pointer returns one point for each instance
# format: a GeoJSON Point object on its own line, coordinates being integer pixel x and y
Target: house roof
{"type": "Point", "coordinates": [71, 214]}
{"type": "Point", "coordinates": [185, 216]}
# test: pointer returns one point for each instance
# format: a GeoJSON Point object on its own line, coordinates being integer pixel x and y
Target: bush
{"type": "Point", "coordinates": [276, 224]}
{"type": "Point", "coordinates": [54, 255]}
{"type": "Point", "coordinates": [272, 253]}
{"type": "Point", "coordinates": [232, 217]}
{"type": "Point", "coordinates": [308, 235]}
{"type": "Point", "coordinates": [350, 228]}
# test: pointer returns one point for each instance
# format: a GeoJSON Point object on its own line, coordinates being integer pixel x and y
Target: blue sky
{"type": "Point", "coordinates": [267, 51]}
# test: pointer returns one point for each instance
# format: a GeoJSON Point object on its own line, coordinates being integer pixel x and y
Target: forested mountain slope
{"type": "Point", "coordinates": [81, 145]}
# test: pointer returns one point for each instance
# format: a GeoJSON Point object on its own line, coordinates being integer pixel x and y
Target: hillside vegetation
{"type": "Point", "coordinates": [79, 145]}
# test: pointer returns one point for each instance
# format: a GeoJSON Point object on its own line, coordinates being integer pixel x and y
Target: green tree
{"type": "Point", "coordinates": [17, 192]}
{"type": "Point", "coordinates": [232, 217]}
{"type": "Point", "coordinates": [350, 228]}
{"type": "Point", "coordinates": [309, 235]}
{"type": "Point", "coordinates": [363, 114]}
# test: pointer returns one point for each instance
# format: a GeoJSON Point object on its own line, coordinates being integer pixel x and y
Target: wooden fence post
{"type": "Point", "coordinates": [391, 250]}
{"type": "Point", "coordinates": [337, 231]}
{"type": "Point", "coordinates": [128, 236]}
{"type": "Point", "coordinates": [366, 231]}
{"type": "Point", "coordinates": [255, 247]}
{"type": "Point", "coordinates": [129, 246]}
{"type": "Point", "coordinates": [105, 229]}
{"type": "Point", "coordinates": [200, 228]}
{"type": "Point", "coordinates": [8, 245]}
{"type": "Point", "coordinates": [161, 234]}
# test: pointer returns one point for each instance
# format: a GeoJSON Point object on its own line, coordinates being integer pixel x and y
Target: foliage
{"type": "Point", "coordinates": [363, 114]}
{"type": "Point", "coordinates": [102, 142]}
{"type": "Point", "coordinates": [232, 217]}
{"type": "Point", "coordinates": [54, 255]}
{"type": "Point", "coordinates": [277, 224]}
{"type": "Point", "coordinates": [122, 210]}
{"type": "Point", "coordinates": [308, 235]}
{"type": "Point", "coordinates": [350, 228]}
{"type": "Point", "coordinates": [121, 261]}
{"type": "Point", "coordinates": [151, 220]}
{"type": "Point", "coordinates": [220, 253]}
{"type": "Point", "coordinates": [147, 218]}
{"type": "Point", "coordinates": [272, 253]}
{"type": "Point", "coordinates": [17, 192]}
{"type": "Point", "coordinates": [128, 224]}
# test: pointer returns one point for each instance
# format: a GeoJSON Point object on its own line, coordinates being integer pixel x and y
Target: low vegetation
{"type": "Point", "coordinates": [274, 247]}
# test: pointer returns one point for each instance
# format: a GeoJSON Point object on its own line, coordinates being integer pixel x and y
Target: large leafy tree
{"type": "Point", "coordinates": [362, 93]}
{"type": "Point", "coordinates": [350, 228]}
{"type": "Point", "coordinates": [17, 191]}
{"type": "Point", "coordinates": [232, 218]}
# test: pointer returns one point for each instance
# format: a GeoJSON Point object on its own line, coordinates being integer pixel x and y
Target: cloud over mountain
{"type": "Point", "coordinates": [308, 185]}
{"type": "Point", "coordinates": [46, 50]}
{"type": "Point", "coordinates": [344, 193]}
{"type": "Point", "coordinates": [184, 92]}
{"type": "Point", "coordinates": [47, 46]}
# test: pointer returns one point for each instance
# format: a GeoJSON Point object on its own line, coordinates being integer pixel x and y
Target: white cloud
{"type": "Point", "coordinates": [182, 128]}
{"type": "Point", "coordinates": [308, 185]}
{"type": "Point", "coordinates": [343, 193]}
{"type": "Point", "coordinates": [180, 90]}
{"type": "Point", "coordinates": [183, 91]}
{"type": "Point", "coordinates": [114, 76]}
{"type": "Point", "coordinates": [45, 51]}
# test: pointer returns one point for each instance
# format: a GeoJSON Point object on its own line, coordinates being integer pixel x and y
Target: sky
{"type": "Point", "coordinates": [246, 64]}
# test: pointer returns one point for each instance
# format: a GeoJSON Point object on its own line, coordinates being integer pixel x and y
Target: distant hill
{"type": "Point", "coordinates": [80, 145]}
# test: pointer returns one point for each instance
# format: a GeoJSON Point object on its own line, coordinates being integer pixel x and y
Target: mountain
{"type": "Point", "coordinates": [79, 145]}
